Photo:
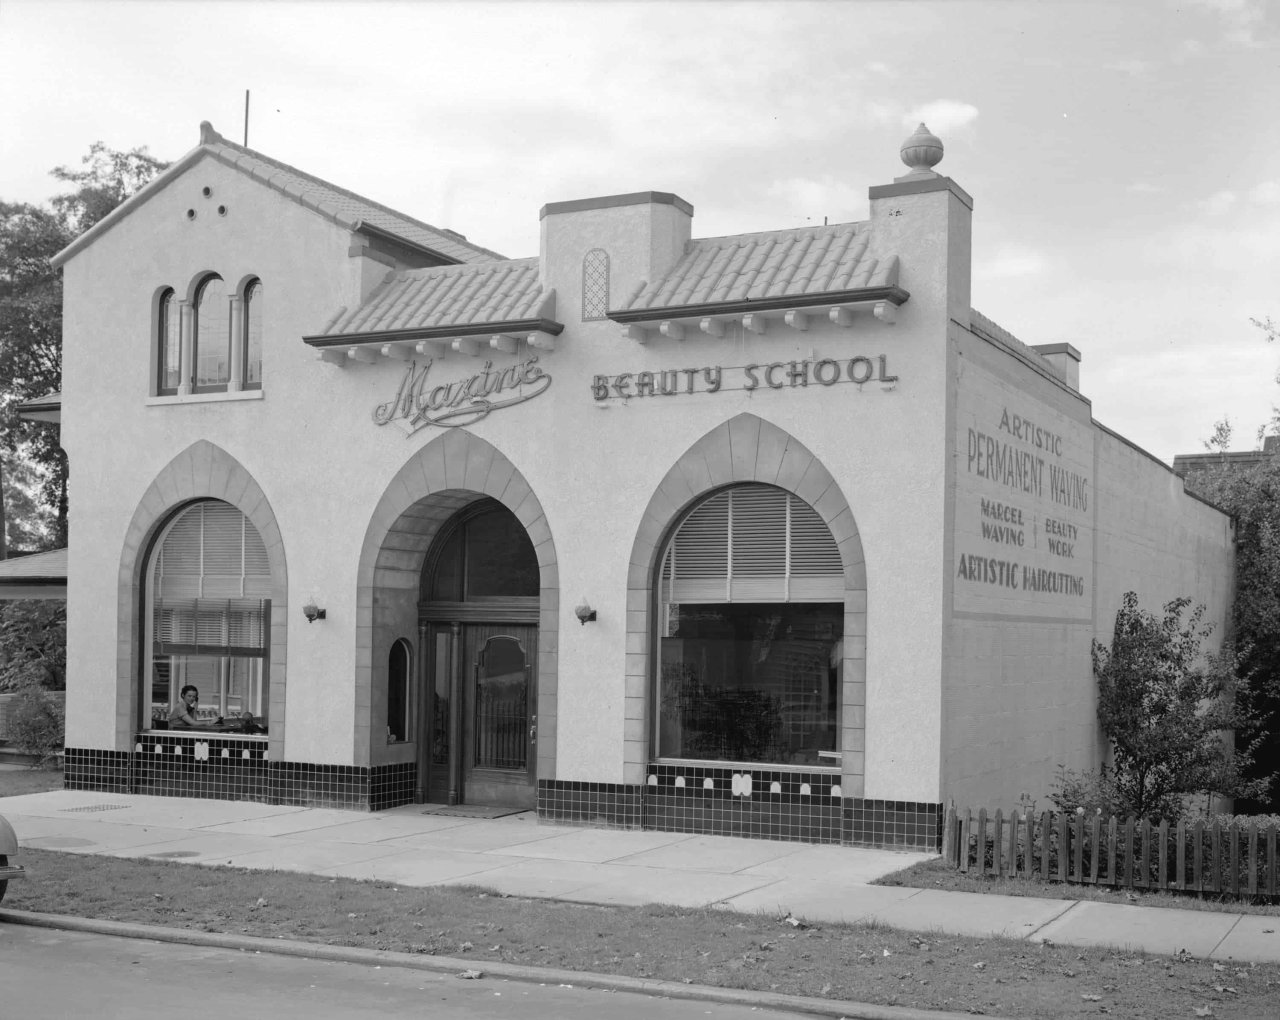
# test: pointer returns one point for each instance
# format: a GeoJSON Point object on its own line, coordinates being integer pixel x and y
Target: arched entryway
{"type": "Point", "coordinates": [479, 623]}
{"type": "Point", "coordinates": [458, 563]}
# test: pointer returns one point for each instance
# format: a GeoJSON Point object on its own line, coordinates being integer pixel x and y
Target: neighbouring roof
{"type": "Point", "coordinates": [802, 266]}
{"type": "Point", "coordinates": [40, 575]}
{"type": "Point", "coordinates": [461, 299]}
{"type": "Point", "coordinates": [46, 408]}
{"type": "Point", "coordinates": [343, 207]}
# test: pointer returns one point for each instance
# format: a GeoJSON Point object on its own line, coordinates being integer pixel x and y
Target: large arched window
{"type": "Point", "coordinates": [168, 343]}
{"type": "Point", "coordinates": [211, 336]}
{"type": "Point", "coordinates": [251, 362]}
{"type": "Point", "coordinates": [208, 620]}
{"type": "Point", "coordinates": [751, 600]}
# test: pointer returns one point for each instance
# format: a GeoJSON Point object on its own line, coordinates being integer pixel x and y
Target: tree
{"type": "Point", "coordinates": [33, 644]}
{"type": "Point", "coordinates": [1251, 494]}
{"type": "Point", "coordinates": [1169, 709]}
{"type": "Point", "coordinates": [31, 310]}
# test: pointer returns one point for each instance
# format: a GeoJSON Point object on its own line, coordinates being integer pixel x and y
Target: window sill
{"type": "Point", "coordinates": [204, 398]}
{"type": "Point", "coordinates": [193, 734]}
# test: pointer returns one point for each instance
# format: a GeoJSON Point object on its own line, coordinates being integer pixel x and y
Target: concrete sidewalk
{"type": "Point", "coordinates": [521, 857]}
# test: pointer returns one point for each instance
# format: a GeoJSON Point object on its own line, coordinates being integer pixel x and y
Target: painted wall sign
{"type": "Point", "coordinates": [1023, 505]}
{"type": "Point", "coordinates": [776, 375]}
{"type": "Point", "coordinates": [418, 403]}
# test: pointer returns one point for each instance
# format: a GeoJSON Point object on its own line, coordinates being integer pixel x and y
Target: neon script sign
{"type": "Point", "coordinates": [418, 404]}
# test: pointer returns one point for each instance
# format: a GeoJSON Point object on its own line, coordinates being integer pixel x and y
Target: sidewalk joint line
{"type": "Point", "coordinates": [1225, 935]}
{"type": "Point", "coordinates": [1070, 905]}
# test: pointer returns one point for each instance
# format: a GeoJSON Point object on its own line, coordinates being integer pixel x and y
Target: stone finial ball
{"type": "Point", "coordinates": [922, 151]}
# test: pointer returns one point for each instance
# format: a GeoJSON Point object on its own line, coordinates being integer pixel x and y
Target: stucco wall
{"type": "Point", "coordinates": [1019, 693]}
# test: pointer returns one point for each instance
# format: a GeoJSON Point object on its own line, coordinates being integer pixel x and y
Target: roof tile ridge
{"type": "Point", "coordinates": [760, 263]}
{"type": "Point", "coordinates": [779, 232]}
{"type": "Point", "coordinates": [716, 269]}
{"type": "Point", "coordinates": [785, 256]}
{"type": "Point", "coordinates": [658, 294]}
{"type": "Point", "coordinates": [692, 281]}
{"type": "Point", "coordinates": [811, 263]}
{"type": "Point", "coordinates": [833, 261]}
{"type": "Point", "coordinates": [280, 165]}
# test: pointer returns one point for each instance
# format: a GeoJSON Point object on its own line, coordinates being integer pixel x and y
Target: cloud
{"type": "Point", "coordinates": [1011, 262]}
{"type": "Point", "coordinates": [807, 198]}
{"type": "Point", "coordinates": [1240, 19]}
{"type": "Point", "coordinates": [1133, 67]}
{"type": "Point", "coordinates": [1266, 193]}
{"type": "Point", "coordinates": [1218, 203]}
{"type": "Point", "coordinates": [942, 115]}
{"type": "Point", "coordinates": [1146, 188]}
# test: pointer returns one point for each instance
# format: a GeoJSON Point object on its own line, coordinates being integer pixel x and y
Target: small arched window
{"type": "Point", "coordinates": [251, 365]}
{"type": "Point", "coordinates": [211, 336]}
{"type": "Point", "coordinates": [595, 284]}
{"type": "Point", "coordinates": [168, 344]}
{"type": "Point", "coordinates": [398, 669]}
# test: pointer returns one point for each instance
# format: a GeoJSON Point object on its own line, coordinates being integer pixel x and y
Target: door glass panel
{"type": "Point", "coordinates": [501, 707]}
{"type": "Point", "coordinates": [440, 699]}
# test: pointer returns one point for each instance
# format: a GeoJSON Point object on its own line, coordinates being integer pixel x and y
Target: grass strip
{"type": "Point", "coordinates": [867, 963]}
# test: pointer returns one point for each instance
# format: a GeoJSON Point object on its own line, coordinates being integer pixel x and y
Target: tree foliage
{"type": "Point", "coordinates": [1251, 494]}
{"type": "Point", "coordinates": [33, 644]}
{"type": "Point", "coordinates": [31, 310]}
{"type": "Point", "coordinates": [1169, 708]}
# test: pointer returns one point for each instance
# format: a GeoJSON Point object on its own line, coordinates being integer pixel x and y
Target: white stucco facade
{"type": "Point", "coordinates": [858, 399]}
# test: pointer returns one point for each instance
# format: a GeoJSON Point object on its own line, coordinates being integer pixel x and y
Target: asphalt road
{"type": "Point", "coordinates": [46, 974]}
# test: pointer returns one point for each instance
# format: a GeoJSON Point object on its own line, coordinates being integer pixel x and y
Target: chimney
{"type": "Point", "coordinates": [1065, 358]}
{"type": "Point", "coordinates": [642, 234]}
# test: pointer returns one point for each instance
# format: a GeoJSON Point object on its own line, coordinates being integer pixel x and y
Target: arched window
{"type": "Point", "coordinates": [168, 344]}
{"type": "Point", "coordinates": [487, 555]}
{"type": "Point", "coordinates": [751, 600]}
{"type": "Point", "coordinates": [399, 663]}
{"type": "Point", "coordinates": [595, 284]}
{"type": "Point", "coordinates": [251, 365]}
{"type": "Point", "coordinates": [208, 620]}
{"type": "Point", "coordinates": [211, 336]}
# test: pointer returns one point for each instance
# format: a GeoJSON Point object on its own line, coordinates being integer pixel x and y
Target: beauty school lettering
{"type": "Point", "coordinates": [713, 378]}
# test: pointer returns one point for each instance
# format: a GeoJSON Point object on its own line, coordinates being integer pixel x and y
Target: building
{"type": "Point", "coordinates": [769, 534]}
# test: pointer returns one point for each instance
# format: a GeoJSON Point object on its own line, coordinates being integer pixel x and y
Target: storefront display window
{"type": "Point", "coordinates": [208, 622]}
{"type": "Point", "coordinates": [751, 640]}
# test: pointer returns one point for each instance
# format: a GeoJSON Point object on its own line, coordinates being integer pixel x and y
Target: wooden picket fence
{"type": "Point", "coordinates": [1215, 859]}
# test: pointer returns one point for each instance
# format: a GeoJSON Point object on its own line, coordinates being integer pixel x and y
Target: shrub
{"type": "Point", "coordinates": [37, 724]}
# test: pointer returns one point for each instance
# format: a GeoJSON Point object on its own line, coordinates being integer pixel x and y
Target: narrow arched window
{"type": "Point", "coordinates": [595, 284]}
{"type": "Point", "coordinates": [398, 669]}
{"type": "Point", "coordinates": [751, 626]}
{"type": "Point", "coordinates": [251, 366]}
{"type": "Point", "coordinates": [211, 336]}
{"type": "Point", "coordinates": [168, 344]}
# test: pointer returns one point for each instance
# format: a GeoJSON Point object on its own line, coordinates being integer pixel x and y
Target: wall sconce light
{"type": "Point", "coordinates": [312, 612]}
{"type": "Point", "coordinates": [584, 612]}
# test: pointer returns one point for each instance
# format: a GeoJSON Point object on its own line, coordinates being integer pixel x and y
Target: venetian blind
{"type": "Point", "coordinates": [210, 580]}
{"type": "Point", "coordinates": [752, 543]}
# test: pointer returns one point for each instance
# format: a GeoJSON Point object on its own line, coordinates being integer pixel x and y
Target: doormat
{"type": "Point", "coordinates": [472, 811]}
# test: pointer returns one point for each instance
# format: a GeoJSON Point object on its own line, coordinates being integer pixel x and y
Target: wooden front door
{"type": "Point", "coordinates": [481, 705]}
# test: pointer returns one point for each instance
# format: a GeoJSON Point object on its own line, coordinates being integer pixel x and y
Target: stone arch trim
{"type": "Point", "coordinates": [746, 448]}
{"type": "Point", "coordinates": [201, 471]}
{"type": "Point", "coordinates": [451, 471]}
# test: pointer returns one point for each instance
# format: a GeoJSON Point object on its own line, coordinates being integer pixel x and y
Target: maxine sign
{"type": "Point", "coordinates": [419, 403]}
{"type": "Point", "coordinates": [712, 378]}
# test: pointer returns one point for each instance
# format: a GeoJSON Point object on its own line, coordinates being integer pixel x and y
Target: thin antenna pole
{"type": "Point", "coordinates": [246, 118]}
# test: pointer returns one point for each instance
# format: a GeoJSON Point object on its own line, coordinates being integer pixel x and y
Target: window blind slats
{"type": "Point", "coordinates": [753, 543]}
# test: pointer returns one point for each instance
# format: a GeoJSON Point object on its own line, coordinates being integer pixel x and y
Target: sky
{"type": "Point", "coordinates": [1124, 158]}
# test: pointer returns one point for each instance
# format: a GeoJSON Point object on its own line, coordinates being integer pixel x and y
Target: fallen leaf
{"type": "Point", "coordinates": [979, 966]}
{"type": "Point", "coordinates": [1091, 998]}
{"type": "Point", "coordinates": [471, 975]}
{"type": "Point", "coordinates": [1218, 966]}
{"type": "Point", "coordinates": [1204, 1011]}
{"type": "Point", "coordinates": [825, 990]}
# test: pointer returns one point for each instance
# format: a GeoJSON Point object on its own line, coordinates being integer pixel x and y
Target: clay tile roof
{"type": "Point", "coordinates": [455, 297]}
{"type": "Point", "coordinates": [803, 263]}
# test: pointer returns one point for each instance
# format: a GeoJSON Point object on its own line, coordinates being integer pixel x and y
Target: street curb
{"type": "Point", "coordinates": [510, 971]}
